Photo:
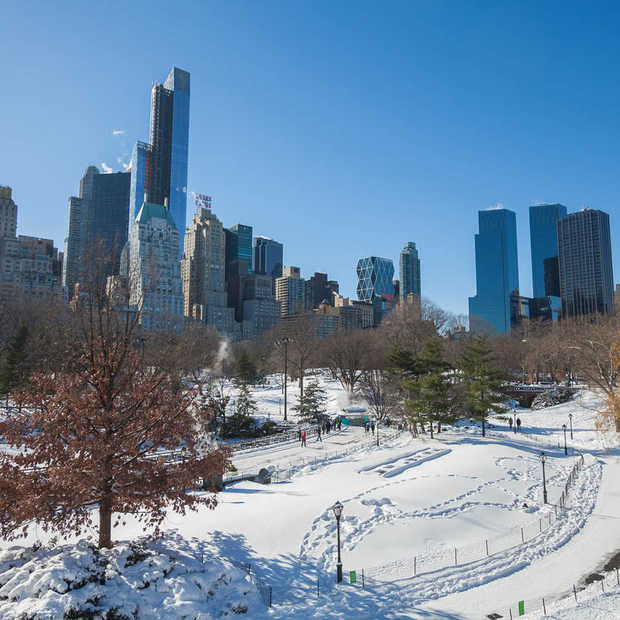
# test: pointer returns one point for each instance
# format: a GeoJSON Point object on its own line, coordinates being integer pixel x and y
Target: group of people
{"type": "Point", "coordinates": [323, 428]}
{"type": "Point", "coordinates": [369, 426]}
{"type": "Point", "coordinates": [517, 425]}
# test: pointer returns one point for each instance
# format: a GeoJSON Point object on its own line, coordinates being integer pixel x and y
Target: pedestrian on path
{"type": "Point", "coordinates": [372, 427]}
{"type": "Point", "coordinates": [303, 439]}
{"type": "Point", "coordinates": [318, 435]}
{"type": "Point", "coordinates": [519, 423]}
{"type": "Point", "coordinates": [510, 423]}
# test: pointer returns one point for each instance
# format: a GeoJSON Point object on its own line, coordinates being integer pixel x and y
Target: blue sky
{"type": "Point", "coordinates": [341, 129]}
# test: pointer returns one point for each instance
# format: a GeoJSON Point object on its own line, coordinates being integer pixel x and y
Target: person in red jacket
{"type": "Point", "coordinates": [303, 439]}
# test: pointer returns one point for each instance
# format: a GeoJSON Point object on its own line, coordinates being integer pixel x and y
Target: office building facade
{"type": "Point", "coordinates": [585, 263]}
{"type": "Point", "coordinates": [544, 247]}
{"type": "Point", "coordinates": [409, 271]}
{"type": "Point", "coordinates": [97, 217]}
{"type": "Point", "coordinates": [8, 213]}
{"type": "Point", "coordinates": [268, 257]}
{"type": "Point", "coordinates": [374, 278]}
{"type": "Point", "coordinates": [154, 276]}
{"type": "Point", "coordinates": [291, 292]}
{"type": "Point", "coordinates": [497, 271]}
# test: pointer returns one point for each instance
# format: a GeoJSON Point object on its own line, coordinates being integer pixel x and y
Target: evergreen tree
{"type": "Point", "coordinates": [242, 421]}
{"type": "Point", "coordinates": [483, 382]}
{"type": "Point", "coordinates": [11, 361]}
{"type": "Point", "coordinates": [432, 390]}
{"type": "Point", "coordinates": [245, 368]}
{"type": "Point", "coordinates": [311, 403]}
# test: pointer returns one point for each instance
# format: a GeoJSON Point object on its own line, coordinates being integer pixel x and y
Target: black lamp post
{"type": "Point", "coordinates": [337, 508]}
{"type": "Point", "coordinates": [284, 342]}
{"type": "Point", "coordinates": [565, 448]}
{"type": "Point", "coordinates": [570, 419]}
{"type": "Point", "coordinates": [543, 458]}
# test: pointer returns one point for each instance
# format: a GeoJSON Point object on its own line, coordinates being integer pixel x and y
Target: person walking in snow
{"type": "Point", "coordinates": [519, 423]}
{"type": "Point", "coordinates": [303, 439]}
{"type": "Point", "coordinates": [318, 434]}
{"type": "Point", "coordinates": [372, 427]}
{"type": "Point", "coordinates": [339, 424]}
{"type": "Point", "coordinates": [510, 423]}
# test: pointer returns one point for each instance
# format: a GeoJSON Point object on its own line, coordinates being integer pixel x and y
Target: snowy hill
{"type": "Point", "coordinates": [453, 527]}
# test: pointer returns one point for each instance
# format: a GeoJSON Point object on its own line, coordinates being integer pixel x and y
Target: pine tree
{"type": "Point", "coordinates": [483, 382]}
{"type": "Point", "coordinates": [432, 390]}
{"type": "Point", "coordinates": [12, 359]}
{"type": "Point", "coordinates": [242, 420]}
{"type": "Point", "coordinates": [312, 403]}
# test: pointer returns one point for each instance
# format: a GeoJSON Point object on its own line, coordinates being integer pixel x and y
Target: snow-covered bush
{"type": "Point", "coordinates": [171, 578]}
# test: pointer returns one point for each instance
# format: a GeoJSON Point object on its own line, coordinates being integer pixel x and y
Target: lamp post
{"type": "Point", "coordinates": [543, 458]}
{"type": "Point", "coordinates": [337, 508]}
{"type": "Point", "coordinates": [570, 419]}
{"type": "Point", "coordinates": [565, 448]}
{"type": "Point", "coordinates": [284, 342]}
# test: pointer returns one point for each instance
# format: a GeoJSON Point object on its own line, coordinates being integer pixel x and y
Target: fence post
{"type": "Point", "coordinates": [455, 562]}
{"type": "Point", "coordinates": [549, 519]}
{"type": "Point", "coordinates": [603, 584]}
{"type": "Point", "coordinates": [415, 565]}
{"type": "Point", "coordinates": [487, 545]}
{"type": "Point", "coordinates": [270, 593]}
{"type": "Point", "coordinates": [540, 524]}
{"type": "Point", "coordinates": [544, 608]}
{"type": "Point", "coordinates": [617, 577]}
{"type": "Point", "coordinates": [522, 537]}
{"type": "Point", "coordinates": [318, 586]}
{"type": "Point", "coordinates": [363, 582]}
{"type": "Point", "coordinates": [575, 592]}
{"type": "Point", "coordinates": [510, 610]}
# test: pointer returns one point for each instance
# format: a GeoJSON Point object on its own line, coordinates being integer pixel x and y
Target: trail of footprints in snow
{"type": "Point", "coordinates": [355, 529]}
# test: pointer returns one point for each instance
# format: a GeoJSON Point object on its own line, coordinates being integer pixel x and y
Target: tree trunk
{"type": "Point", "coordinates": [105, 522]}
{"type": "Point", "coordinates": [483, 434]}
{"type": "Point", "coordinates": [438, 427]}
{"type": "Point", "coordinates": [431, 425]}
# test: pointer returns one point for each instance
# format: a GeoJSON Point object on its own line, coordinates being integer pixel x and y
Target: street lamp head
{"type": "Point", "coordinates": [543, 457]}
{"type": "Point", "coordinates": [563, 427]}
{"type": "Point", "coordinates": [570, 416]}
{"type": "Point", "coordinates": [337, 508]}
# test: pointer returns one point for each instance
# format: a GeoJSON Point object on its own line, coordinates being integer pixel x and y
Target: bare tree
{"type": "Point", "coordinates": [346, 355]}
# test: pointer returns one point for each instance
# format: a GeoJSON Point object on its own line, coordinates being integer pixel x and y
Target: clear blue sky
{"type": "Point", "coordinates": [342, 129]}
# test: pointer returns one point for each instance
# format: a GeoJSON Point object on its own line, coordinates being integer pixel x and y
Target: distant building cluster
{"type": "Point", "coordinates": [236, 282]}
{"type": "Point", "coordinates": [572, 272]}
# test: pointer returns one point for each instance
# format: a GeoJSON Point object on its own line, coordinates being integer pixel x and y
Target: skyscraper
{"type": "Point", "coordinates": [159, 169]}
{"type": "Point", "coordinates": [98, 215]}
{"type": "Point", "coordinates": [409, 268]}
{"type": "Point", "coordinates": [154, 269]}
{"type": "Point", "coordinates": [291, 291]}
{"type": "Point", "coordinates": [544, 245]}
{"type": "Point", "coordinates": [586, 273]}
{"type": "Point", "coordinates": [497, 271]}
{"type": "Point", "coordinates": [202, 272]}
{"type": "Point", "coordinates": [8, 213]}
{"type": "Point", "coordinates": [375, 278]}
{"type": "Point", "coordinates": [268, 256]}
{"type": "Point", "coordinates": [239, 244]}
{"type": "Point", "coordinates": [170, 142]}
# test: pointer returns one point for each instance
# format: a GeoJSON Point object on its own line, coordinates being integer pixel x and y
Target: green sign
{"type": "Point", "coordinates": [522, 608]}
{"type": "Point", "coordinates": [352, 576]}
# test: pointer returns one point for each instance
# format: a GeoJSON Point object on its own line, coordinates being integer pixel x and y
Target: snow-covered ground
{"type": "Point", "coordinates": [408, 505]}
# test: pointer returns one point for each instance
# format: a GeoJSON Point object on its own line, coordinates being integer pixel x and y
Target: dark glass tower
{"type": "Point", "coordinates": [497, 271]}
{"type": "Point", "coordinates": [409, 269]}
{"type": "Point", "coordinates": [160, 168]}
{"type": "Point", "coordinates": [586, 273]}
{"type": "Point", "coordinates": [268, 257]}
{"type": "Point", "coordinates": [544, 244]}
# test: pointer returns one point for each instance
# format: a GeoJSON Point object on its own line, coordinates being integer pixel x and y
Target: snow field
{"type": "Point", "coordinates": [417, 498]}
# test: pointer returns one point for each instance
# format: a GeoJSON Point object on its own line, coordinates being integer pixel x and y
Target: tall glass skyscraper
{"type": "Point", "coordinates": [409, 268]}
{"type": "Point", "coordinates": [268, 257]}
{"type": "Point", "coordinates": [586, 272]}
{"type": "Point", "coordinates": [375, 278]}
{"type": "Point", "coordinates": [160, 168]}
{"type": "Point", "coordinates": [239, 244]}
{"type": "Point", "coordinates": [497, 271]}
{"type": "Point", "coordinates": [544, 244]}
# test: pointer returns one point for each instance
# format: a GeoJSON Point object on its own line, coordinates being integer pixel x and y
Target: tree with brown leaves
{"type": "Point", "coordinates": [116, 435]}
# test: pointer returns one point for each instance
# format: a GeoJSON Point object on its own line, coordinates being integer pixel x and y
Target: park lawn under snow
{"type": "Point", "coordinates": [417, 498]}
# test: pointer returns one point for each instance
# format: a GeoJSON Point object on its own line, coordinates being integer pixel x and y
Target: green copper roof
{"type": "Point", "coordinates": [149, 210]}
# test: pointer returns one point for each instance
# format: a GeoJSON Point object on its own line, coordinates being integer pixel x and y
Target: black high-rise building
{"type": "Point", "coordinates": [585, 266]}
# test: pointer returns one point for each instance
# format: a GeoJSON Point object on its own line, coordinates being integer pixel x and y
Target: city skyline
{"type": "Point", "coordinates": [259, 148]}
